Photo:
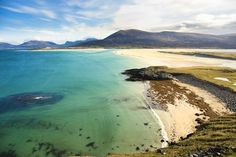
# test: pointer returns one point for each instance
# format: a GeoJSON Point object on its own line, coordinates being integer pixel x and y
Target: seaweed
{"type": "Point", "coordinates": [27, 100]}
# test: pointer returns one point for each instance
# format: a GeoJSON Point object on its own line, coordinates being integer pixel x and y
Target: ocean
{"type": "Point", "coordinates": [64, 103]}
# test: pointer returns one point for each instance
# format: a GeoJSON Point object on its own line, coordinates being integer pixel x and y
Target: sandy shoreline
{"type": "Point", "coordinates": [183, 106]}
{"type": "Point", "coordinates": [151, 57]}
{"type": "Point", "coordinates": [179, 116]}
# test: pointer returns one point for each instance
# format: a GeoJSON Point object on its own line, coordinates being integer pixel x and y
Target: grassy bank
{"type": "Point", "coordinates": [209, 74]}
{"type": "Point", "coordinates": [229, 56]}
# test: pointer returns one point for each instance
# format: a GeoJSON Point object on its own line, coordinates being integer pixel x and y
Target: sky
{"type": "Point", "coordinates": [70, 20]}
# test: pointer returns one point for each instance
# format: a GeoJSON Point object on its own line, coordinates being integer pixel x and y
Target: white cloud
{"type": "Point", "coordinates": [64, 33]}
{"type": "Point", "coordinates": [31, 10]}
{"type": "Point", "coordinates": [203, 16]}
{"type": "Point", "coordinates": [162, 15]}
{"type": "Point", "coordinates": [48, 13]}
{"type": "Point", "coordinates": [74, 18]}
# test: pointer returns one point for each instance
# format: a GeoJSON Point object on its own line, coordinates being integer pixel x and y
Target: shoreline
{"type": "Point", "coordinates": [181, 118]}
{"type": "Point", "coordinates": [157, 117]}
{"type": "Point", "coordinates": [181, 106]}
{"type": "Point", "coordinates": [172, 125]}
{"type": "Point", "coordinates": [152, 57]}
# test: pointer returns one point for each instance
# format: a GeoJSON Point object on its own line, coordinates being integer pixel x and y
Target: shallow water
{"type": "Point", "coordinates": [100, 113]}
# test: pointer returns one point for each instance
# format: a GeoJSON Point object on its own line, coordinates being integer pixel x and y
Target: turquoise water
{"type": "Point", "coordinates": [100, 113]}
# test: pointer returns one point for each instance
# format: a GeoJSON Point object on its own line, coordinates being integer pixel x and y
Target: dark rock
{"type": "Point", "coordinates": [137, 148]}
{"type": "Point", "coordinates": [150, 73]}
{"type": "Point", "coordinates": [91, 144]}
{"type": "Point", "coordinates": [199, 120]}
{"type": "Point", "coordinates": [145, 124]}
{"type": "Point", "coordinates": [195, 155]}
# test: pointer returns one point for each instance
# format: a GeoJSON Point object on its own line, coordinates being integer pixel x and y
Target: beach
{"type": "Point", "coordinates": [180, 105]}
{"type": "Point", "coordinates": [151, 57]}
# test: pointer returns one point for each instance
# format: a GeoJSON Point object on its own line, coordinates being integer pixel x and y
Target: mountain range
{"type": "Point", "coordinates": [140, 39]}
{"type": "Point", "coordinates": [36, 44]}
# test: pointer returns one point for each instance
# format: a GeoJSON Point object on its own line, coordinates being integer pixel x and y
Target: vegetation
{"type": "Point", "coordinates": [230, 56]}
{"type": "Point", "coordinates": [209, 74]}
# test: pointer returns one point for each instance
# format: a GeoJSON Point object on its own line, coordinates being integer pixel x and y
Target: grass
{"type": "Point", "coordinates": [217, 132]}
{"type": "Point", "coordinates": [209, 73]}
{"type": "Point", "coordinates": [230, 56]}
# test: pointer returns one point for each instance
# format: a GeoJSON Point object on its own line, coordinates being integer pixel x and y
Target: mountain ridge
{"type": "Point", "coordinates": [144, 39]}
{"type": "Point", "coordinates": [133, 38]}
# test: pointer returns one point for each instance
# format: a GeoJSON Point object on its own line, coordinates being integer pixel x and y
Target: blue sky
{"type": "Point", "coordinates": [62, 20]}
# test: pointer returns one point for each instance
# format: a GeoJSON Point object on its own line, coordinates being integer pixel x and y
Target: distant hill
{"type": "Point", "coordinates": [78, 42]}
{"type": "Point", "coordinates": [6, 46]}
{"type": "Point", "coordinates": [142, 39]}
{"type": "Point", "coordinates": [35, 44]}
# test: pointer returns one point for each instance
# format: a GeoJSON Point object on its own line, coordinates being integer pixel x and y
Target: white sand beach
{"type": "Point", "coordinates": [154, 57]}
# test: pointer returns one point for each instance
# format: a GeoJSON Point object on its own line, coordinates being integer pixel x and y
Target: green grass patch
{"type": "Point", "coordinates": [209, 74]}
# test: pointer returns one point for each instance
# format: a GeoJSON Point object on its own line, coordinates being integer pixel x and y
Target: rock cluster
{"type": "Point", "coordinates": [149, 73]}
{"type": "Point", "coordinates": [212, 152]}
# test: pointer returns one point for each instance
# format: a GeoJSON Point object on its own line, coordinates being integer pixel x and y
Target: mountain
{"type": "Point", "coordinates": [35, 44]}
{"type": "Point", "coordinates": [6, 46]}
{"type": "Point", "coordinates": [78, 42]}
{"type": "Point", "coordinates": [138, 38]}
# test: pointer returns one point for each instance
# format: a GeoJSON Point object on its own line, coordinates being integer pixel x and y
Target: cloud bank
{"type": "Point", "coordinates": [78, 19]}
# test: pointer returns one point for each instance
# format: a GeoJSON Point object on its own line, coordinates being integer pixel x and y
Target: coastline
{"type": "Point", "coordinates": [182, 117]}
{"type": "Point", "coordinates": [156, 116]}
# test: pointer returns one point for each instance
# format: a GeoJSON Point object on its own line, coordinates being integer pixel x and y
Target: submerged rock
{"type": "Point", "coordinates": [27, 100]}
{"type": "Point", "coordinates": [92, 145]}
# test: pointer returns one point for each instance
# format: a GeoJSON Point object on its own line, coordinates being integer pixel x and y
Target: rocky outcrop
{"type": "Point", "coordinates": [149, 73]}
